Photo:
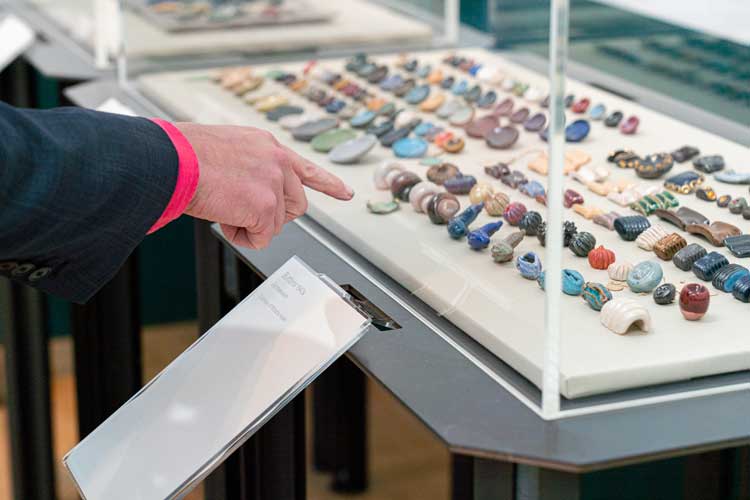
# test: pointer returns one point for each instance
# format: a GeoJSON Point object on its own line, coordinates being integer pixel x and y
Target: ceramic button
{"type": "Point", "coordinates": [535, 123]}
{"type": "Point", "coordinates": [307, 131]}
{"type": "Point", "coordinates": [22, 269]}
{"type": "Point", "coordinates": [480, 127]}
{"type": "Point", "coordinates": [282, 111]}
{"type": "Point", "coordinates": [709, 164]}
{"type": "Point", "coordinates": [613, 119]}
{"type": "Point", "coordinates": [487, 99]}
{"type": "Point", "coordinates": [328, 140]}
{"type": "Point", "coordinates": [40, 273]}
{"type": "Point", "coordinates": [362, 119]}
{"type": "Point", "coordinates": [410, 147]}
{"type": "Point", "coordinates": [581, 105]}
{"type": "Point", "coordinates": [505, 107]}
{"type": "Point", "coordinates": [577, 131]}
{"type": "Point", "coordinates": [351, 151]}
{"type": "Point", "coordinates": [417, 94]}
{"type": "Point", "coordinates": [389, 139]}
{"type": "Point", "coordinates": [597, 112]}
{"type": "Point", "coordinates": [630, 125]}
{"type": "Point", "coordinates": [502, 137]}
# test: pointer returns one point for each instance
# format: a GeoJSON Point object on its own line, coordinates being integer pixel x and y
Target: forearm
{"type": "Point", "coordinates": [78, 190]}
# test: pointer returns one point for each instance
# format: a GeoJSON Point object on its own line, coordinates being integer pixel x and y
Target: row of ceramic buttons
{"type": "Point", "coordinates": [16, 270]}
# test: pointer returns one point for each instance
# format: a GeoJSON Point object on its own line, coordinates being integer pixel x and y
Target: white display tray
{"type": "Point", "coordinates": [491, 302]}
{"type": "Point", "coordinates": [354, 22]}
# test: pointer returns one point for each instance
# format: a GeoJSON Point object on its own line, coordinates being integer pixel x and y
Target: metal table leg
{"type": "Point", "coordinates": [107, 337]}
{"type": "Point", "coordinates": [27, 361]}
{"type": "Point", "coordinates": [340, 426]}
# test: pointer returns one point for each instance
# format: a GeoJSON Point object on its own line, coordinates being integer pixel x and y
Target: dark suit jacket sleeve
{"type": "Point", "coordinates": [79, 190]}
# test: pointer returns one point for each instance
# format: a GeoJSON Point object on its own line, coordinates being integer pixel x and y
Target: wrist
{"type": "Point", "coordinates": [187, 177]}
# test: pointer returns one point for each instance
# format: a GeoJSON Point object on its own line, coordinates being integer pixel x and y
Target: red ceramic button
{"type": "Point", "coordinates": [581, 106]}
{"type": "Point", "coordinates": [694, 301]}
{"type": "Point", "coordinates": [443, 137]}
{"type": "Point", "coordinates": [630, 125]}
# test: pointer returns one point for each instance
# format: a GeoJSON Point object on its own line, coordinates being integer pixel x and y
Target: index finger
{"type": "Point", "coordinates": [318, 178]}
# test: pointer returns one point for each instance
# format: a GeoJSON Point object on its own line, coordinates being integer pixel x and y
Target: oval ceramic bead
{"type": "Point", "coordinates": [665, 294]}
{"type": "Point", "coordinates": [502, 251]}
{"type": "Point", "coordinates": [442, 207]}
{"type": "Point", "coordinates": [596, 295]}
{"type": "Point", "coordinates": [694, 301]}
{"type": "Point", "coordinates": [458, 227]}
{"type": "Point", "coordinates": [644, 277]}
{"type": "Point", "coordinates": [514, 212]}
{"type": "Point", "coordinates": [529, 265]}
{"type": "Point", "coordinates": [619, 271]}
{"type": "Point", "coordinates": [495, 203]}
{"type": "Point", "coordinates": [420, 192]}
{"type": "Point", "coordinates": [480, 238]}
{"type": "Point", "coordinates": [601, 258]}
{"type": "Point", "coordinates": [622, 314]}
{"type": "Point", "coordinates": [630, 227]}
{"type": "Point", "coordinates": [741, 289]}
{"type": "Point", "coordinates": [582, 243]}
{"type": "Point", "coordinates": [385, 173]}
{"type": "Point", "coordinates": [707, 266]}
{"type": "Point", "coordinates": [667, 247]}
{"type": "Point", "coordinates": [572, 282]}
{"type": "Point", "coordinates": [442, 172]}
{"type": "Point", "coordinates": [650, 237]}
{"type": "Point", "coordinates": [727, 276]}
{"type": "Point", "coordinates": [461, 184]}
{"type": "Point", "coordinates": [480, 192]}
{"type": "Point", "coordinates": [685, 258]}
{"type": "Point", "coordinates": [530, 222]}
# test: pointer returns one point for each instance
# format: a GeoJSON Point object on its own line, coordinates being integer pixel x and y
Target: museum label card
{"type": "Point", "coordinates": [217, 393]}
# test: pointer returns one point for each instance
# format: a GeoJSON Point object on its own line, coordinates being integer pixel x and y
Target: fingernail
{"type": "Point", "coordinates": [351, 192]}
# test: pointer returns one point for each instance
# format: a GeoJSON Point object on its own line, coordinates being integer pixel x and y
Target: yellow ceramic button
{"type": "Point", "coordinates": [432, 103]}
{"type": "Point", "coordinates": [270, 103]}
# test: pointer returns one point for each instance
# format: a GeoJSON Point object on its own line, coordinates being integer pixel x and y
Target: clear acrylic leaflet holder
{"type": "Point", "coordinates": [220, 391]}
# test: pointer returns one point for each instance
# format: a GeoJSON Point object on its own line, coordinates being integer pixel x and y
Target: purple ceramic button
{"type": "Point", "coordinates": [630, 125]}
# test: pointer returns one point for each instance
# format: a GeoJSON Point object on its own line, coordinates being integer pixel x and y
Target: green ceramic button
{"type": "Point", "coordinates": [326, 141]}
{"type": "Point", "coordinates": [274, 73]}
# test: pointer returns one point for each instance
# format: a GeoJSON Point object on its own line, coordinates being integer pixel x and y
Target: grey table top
{"type": "Point", "coordinates": [469, 410]}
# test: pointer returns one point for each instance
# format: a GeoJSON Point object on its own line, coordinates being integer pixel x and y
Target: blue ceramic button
{"type": "Point", "coordinates": [392, 82]}
{"type": "Point", "coordinates": [363, 119]}
{"type": "Point", "coordinates": [417, 94]}
{"type": "Point", "coordinates": [410, 147]}
{"type": "Point", "coordinates": [423, 71]}
{"type": "Point", "coordinates": [475, 69]}
{"type": "Point", "coordinates": [577, 131]}
{"type": "Point", "coordinates": [460, 88]}
{"type": "Point", "coordinates": [335, 106]}
{"type": "Point", "coordinates": [423, 128]}
{"type": "Point", "coordinates": [487, 99]}
{"type": "Point", "coordinates": [597, 112]}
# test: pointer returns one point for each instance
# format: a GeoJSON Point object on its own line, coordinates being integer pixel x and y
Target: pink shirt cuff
{"type": "Point", "coordinates": [187, 177]}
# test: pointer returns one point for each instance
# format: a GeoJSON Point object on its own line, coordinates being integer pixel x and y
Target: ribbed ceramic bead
{"type": "Point", "coordinates": [619, 271]}
{"type": "Point", "coordinates": [694, 301]}
{"type": "Point", "coordinates": [685, 258]}
{"type": "Point", "coordinates": [601, 258]}
{"type": "Point", "coordinates": [384, 174]}
{"type": "Point", "coordinates": [741, 289]}
{"type": "Point", "coordinates": [442, 207]}
{"type": "Point", "coordinates": [667, 247]}
{"type": "Point", "coordinates": [514, 212]}
{"type": "Point", "coordinates": [530, 222]}
{"type": "Point", "coordinates": [645, 276]}
{"type": "Point", "coordinates": [529, 265]}
{"type": "Point", "coordinates": [706, 267]}
{"type": "Point", "coordinates": [495, 203]}
{"type": "Point", "coordinates": [596, 295]}
{"type": "Point", "coordinates": [582, 243]}
{"type": "Point", "coordinates": [629, 227]}
{"type": "Point", "coordinates": [572, 281]}
{"type": "Point", "coordinates": [650, 237]}
{"type": "Point", "coordinates": [727, 276]}
{"type": "Point", "coordinates": [480, 192]}
{"type": "Point", "coordinates": [622, 314]}
{"type": "Point", "coordinates": [665, 294]}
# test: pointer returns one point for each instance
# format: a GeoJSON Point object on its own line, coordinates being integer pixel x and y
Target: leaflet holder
{"type": "Point", "coordinates": [221, 390]}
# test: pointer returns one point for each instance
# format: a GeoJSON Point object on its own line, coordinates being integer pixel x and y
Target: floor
{"type": "Point", "coordinates": [406, 461]}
